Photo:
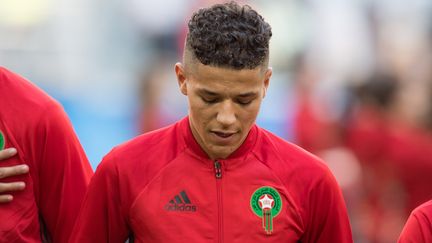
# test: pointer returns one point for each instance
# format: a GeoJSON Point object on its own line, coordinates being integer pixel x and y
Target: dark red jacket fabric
{"type": "Point", "coordinates": [418, 228]}
{"type": "Point", "coordinates": [36, 125]}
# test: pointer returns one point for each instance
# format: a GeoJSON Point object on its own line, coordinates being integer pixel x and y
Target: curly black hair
{"type": "Point", "coordinates": [230, 36]}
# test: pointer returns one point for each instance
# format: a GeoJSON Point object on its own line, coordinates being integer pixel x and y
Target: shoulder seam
{"type": "Point", "coordinates": [297, 208]}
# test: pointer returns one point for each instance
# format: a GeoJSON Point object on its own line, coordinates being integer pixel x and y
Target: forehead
{"type": "Point", "coordinates": [217, 78]}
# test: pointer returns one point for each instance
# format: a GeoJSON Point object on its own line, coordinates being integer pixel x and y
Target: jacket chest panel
{"type": "Point", "coordinates": [194, 206]}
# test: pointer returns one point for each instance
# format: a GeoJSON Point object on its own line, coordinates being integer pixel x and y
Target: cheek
{"type": "Point", "coordinates": [250, 114]}
{"type": "Point", "coordinates": [199, 111]}
{"type": "Point", "coordinates": [200, 114]}
{"type": "Point", "coordinates": [199, 108]}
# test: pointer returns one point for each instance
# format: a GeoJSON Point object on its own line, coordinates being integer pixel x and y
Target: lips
{"type": "Point", "coordinates": [224, 134]}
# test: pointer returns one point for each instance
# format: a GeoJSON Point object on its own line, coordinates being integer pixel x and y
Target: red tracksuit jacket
{"type": "Point", "coordinates": [162, 187]}
{"type": "Point", "coordinates": [35, 124]}
{"type": "Point", "coordinates": [418, 228]}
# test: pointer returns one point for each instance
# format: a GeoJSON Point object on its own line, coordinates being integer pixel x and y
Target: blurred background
{"type": "Point", "coordinates": [352, 83]}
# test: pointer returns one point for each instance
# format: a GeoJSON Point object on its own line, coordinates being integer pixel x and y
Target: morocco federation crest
{"type": "Point", "coordinates": [266, 203]}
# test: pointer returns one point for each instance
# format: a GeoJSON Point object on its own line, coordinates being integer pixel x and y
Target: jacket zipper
{"type": "Point", "coordinates": [218, 175]}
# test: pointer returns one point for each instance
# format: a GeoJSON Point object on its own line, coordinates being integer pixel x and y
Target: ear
{"type": "Point", "coordinates": [181, 78]}
{"type": "Point", "coordinates": [267, 77]}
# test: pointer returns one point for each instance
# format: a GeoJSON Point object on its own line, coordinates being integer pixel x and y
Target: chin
{"type": "Point", "coordinates": [223, 153]}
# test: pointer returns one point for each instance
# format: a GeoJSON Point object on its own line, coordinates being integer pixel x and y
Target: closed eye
{"type": "Point", "coordinates": [209, 100]}
{"type": "Point", "coordinates": [244, 101]}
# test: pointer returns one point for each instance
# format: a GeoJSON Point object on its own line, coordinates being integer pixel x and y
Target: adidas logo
{"type": "Point", "coordinates": [180, 202]}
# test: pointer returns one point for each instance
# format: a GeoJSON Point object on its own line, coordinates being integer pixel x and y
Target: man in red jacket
{"type": "Point", "coordinates": [418, 228]}
{"type": "Point", "coordinates": [215, 176]}
{"type": "Point", "coordinates": [36, 136]}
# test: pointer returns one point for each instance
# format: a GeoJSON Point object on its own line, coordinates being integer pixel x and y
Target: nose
{"type": "Point", "coordinates": [226, 114]}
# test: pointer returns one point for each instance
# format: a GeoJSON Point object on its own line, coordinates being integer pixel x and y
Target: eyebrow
{"type": "Point", "coordinates": [210, 93]}
{"type": "Point", "coordinates": [207, 92]}
{"type": "Point", "coordinates": [248, 94]}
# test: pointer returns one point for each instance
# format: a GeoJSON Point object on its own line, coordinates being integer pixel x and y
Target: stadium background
{"type": "Point", "coordinates": [352, 79]}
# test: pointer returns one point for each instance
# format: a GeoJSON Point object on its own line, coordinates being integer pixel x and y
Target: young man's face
{"type": "Point", "coordinates": [223, 104]}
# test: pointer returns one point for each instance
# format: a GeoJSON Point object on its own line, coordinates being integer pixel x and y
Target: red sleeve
{"type": "Point", "coordinates": [327, 219]}
{"type": "Point", "coordinates": [64, 173]}
{"type": "Point", "coordinates": [418, 228]}
{"type": "Point", "coordinates": [102, 218]}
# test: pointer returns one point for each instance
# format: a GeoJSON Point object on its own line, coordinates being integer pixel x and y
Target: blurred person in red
{"type": "Point", "coordinates": [367, 127]}
{"type": "Point", "coordinates": [410, 142]}
{"type": "Point", "coordinates": [418, 228]}
{"type": "Point", "coordinates": [215, 176]}
{"type": "Point", "coordinates": [367, 131]}
{"type": "Point", "coordinates": [42, 147]}
{"type": "Point", "coordinates": [394, 150]}
{"type": "Point", "coordinates": [368, 136]}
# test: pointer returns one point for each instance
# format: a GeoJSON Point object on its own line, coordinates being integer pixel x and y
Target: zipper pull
{"type": "Point", "coordinates": [218, 169]}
